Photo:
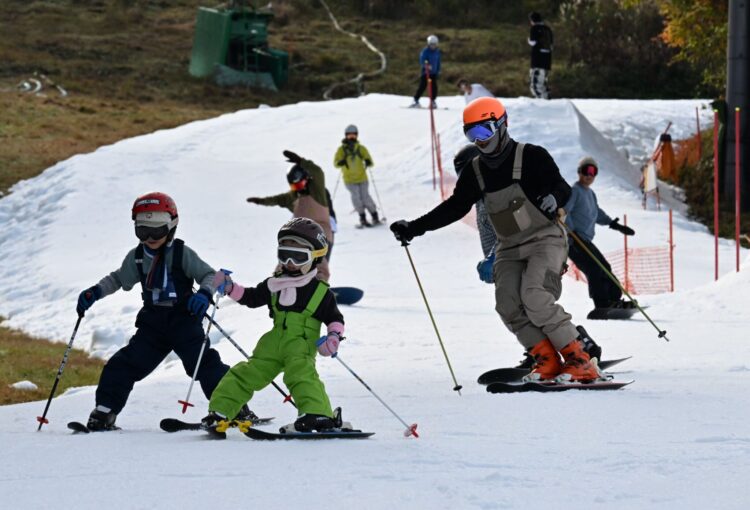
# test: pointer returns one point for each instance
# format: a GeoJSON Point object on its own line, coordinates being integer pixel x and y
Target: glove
{"type": "Point", "coordinates": [368, 162]}
{"type": "Point", "coordinates": [342, 163]}
{"type": "Point", "coordinates": [615, 225]}
{"type": "Point", "coordinates": [253, 200]}
{"type": "Point", "coordinates": [548, 204]}
{"type": "Point", "coordinates": [198, 303]}
{"type": "Point", "coordinates": [292, 157]}
{"type": "Point", "coordinates": [484, 268]}
{"type": "Point", "coordinates": [222, 282]}
{"type": "Point", "coordinates": [404, 231]}
{"type": "Point", "coordinates": [87, 298]}
{"type": "Point", "coordinates": [328, 345]}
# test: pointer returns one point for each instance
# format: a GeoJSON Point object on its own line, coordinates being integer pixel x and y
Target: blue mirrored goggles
{"type": "Point", "coordinates": [483, 131]}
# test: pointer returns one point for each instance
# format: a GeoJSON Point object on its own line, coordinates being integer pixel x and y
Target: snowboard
{"type": "Point", "coordinates": [79, 428]}
{"type": "Point", "coordinates": [347, 295]}
{"type": "Point", "coordinates": [507, 375]}
{"type": "Point", "coordinates": [550, 387]}
{"type": "Point", "coordinates": [262, 435]}
{"type": "Point", "coordinates": [175, 425]}
{"type": "Point", "coordinates": [604, 314]}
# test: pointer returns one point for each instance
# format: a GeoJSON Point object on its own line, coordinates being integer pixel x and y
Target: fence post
{"type": "Point", "coordinates": [671, 254]}
{"type": "Point", "coordinates": [716, 195]}
{"type": "Point", "coordinates": [698, 134]}
{"type": "Point", "coordinates": [625, 238]}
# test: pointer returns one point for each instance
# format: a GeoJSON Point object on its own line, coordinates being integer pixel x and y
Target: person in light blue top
{"type": "Point", "coordinates": [583, 214]}
{"type": "Point", "coordinates": [429, 61]}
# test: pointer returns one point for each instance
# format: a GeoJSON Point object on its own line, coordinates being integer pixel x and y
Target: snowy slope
{"type": "Point", "coordinates": [677, 438]}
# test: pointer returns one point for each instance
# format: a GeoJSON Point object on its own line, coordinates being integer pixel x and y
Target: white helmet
{"type": "Point", "coordinates": [432, 39]}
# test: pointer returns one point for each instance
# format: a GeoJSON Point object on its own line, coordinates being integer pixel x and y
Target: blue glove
{"type": "Point", "coordinates": [87, 298]}
{"type": "Point", "coordinates": [484, 268]}
{"type": "Point", "coordinates": [198, 303]}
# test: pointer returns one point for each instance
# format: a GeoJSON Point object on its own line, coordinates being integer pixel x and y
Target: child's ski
{"type": "Point", "coordinates": [254, 433]}
{"type": "Point", "coordinates": [521, 387]}
{"type": "Point", "coordinates": [507, 375]}
{"type": "Point", "coordinates": [175, 425]}
{"type": "Point", "coordinates": [79, 428]}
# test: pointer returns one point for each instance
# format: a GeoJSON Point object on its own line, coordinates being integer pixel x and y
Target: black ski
{"type": "Point", "coordinates": [175, 425]}
{"type": "Point", "coordinates": [254, 433]}
{"type": "Point", "coordinates": [549, 387]}
{"type": "Point", "coordinates": [618, 314]}
{"type": "Point", "coordinates": [79, 428]}
{"type": "Point", "coordinates": [507, 375]}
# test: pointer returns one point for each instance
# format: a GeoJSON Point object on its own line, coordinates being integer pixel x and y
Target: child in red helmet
{"type": "Point", "coordinates": [171, 317]}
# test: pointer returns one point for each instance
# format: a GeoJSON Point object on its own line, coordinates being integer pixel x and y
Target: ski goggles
{"type": "Point", "coordinates": [299, 185]}
{"type": "Point", "coordinates": [588, 170]}
{"type": "Point", "coordinates": [144, 232]}
{"type": "Point", "coordinates": [483, 131]}
{"type": "Point", "coordinates": [298, 256]}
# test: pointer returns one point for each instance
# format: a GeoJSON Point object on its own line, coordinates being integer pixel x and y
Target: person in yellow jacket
{"type": "Point", "coordinates": [353, 159]}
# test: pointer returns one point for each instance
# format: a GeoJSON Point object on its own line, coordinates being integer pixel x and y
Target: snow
{"type": "Point", "coordinates": [24, 386]}
{"type": "Point", "coordinates": [676, 438]}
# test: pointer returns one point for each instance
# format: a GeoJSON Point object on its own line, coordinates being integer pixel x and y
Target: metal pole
{"type": "Point", "coordinates": [186, 403]}
{"type": "Point", "coordinates": [671, 254]}
{"type": "Point", "coordinates": [716, 195]}
{"type": "Point", "coordinates": [432, 120]}
{"type": "Point", "coordinates": [625, 239]}
{"type": "Point", "coordinates": [375, 187]}
{"type": "Point", "coordinates": [698, 134]}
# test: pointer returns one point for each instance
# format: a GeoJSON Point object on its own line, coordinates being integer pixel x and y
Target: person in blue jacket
{"type": "Point", "coordinates": [429, 60]}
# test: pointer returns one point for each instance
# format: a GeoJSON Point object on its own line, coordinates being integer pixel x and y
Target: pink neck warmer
{"type": "Point", "coordinates": [288, 286]}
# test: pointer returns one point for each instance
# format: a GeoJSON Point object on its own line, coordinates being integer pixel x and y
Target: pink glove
{"type": "Point", "coordinates": [222, 282]}
{"type": "Point", "coordinates": [328, 345]}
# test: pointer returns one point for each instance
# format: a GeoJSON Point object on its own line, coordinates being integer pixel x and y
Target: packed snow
{"type": "Point", "coordinates": [676, 438]}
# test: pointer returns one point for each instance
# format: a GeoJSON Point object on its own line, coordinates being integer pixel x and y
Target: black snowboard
{"type": "Point", "coordinates": [521, 387]}
{"type": "Point", "coordinates": [507, 375]}
{"type": "Point", "coordinates": [175, 425]}
{"type": "Point", "coordinates": [347, 295]}
{"type": "Point", "coordinates": [254, 433]}
{"type": "Point", "coordinates": [604, 314]}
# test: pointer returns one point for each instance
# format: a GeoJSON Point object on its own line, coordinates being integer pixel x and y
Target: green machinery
{"type": "Point", "coordinates": [231, 44]}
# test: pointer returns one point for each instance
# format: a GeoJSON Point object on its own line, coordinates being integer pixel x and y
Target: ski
{"type": "Point", "coordinates": [508, 375]}
{"type": "Point", "coordinates": [175, 425]}
{"type": "Point", "coordinates": [549, 387]}
{"type": "Point", "coordinates": [605, 314]}
{"type": "Point", "coordinates": [79, 428]}
{"type": "Point", "coordinates": [254, 433]}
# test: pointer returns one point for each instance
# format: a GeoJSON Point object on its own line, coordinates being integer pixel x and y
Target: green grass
{"type": "Point", "coordinates": [23, 358]}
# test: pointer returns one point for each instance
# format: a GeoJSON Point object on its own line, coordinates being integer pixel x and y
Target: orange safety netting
{"type": "Point", "coordinates": [648, 269]}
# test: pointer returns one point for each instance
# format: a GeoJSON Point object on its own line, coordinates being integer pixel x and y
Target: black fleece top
{"type": "Point", "coordinates": [327, 312]}
{"type": "Point", "coordinates": [540, 176]}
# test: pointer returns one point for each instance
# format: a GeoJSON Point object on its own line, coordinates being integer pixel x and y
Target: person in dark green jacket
{"type": "Point", "coordinates": [354, 159]}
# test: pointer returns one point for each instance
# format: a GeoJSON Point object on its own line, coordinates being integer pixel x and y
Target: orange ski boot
{"type": "Point", "coordinates": [578, 367]}
{"type": "Point", "coordinates": [547, 363]}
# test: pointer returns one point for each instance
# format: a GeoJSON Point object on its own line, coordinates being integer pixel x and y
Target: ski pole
{"type": "Point", "coordinates": [186, 403]}
{"type": "Point", "coordinates": [336, 187]}
{"type": "Point", "coordinates": [43, 418]}
{"type": "Point", "coordinates": [457, 386]}
{"type": "Point", "coordinates": [411, 430]}
{"type": "Point", "coordinates": [662, 333]}
{"type": "Point", "coordinates": [380, 203]}
{"type": "Point", "coordinates": [287, 398]}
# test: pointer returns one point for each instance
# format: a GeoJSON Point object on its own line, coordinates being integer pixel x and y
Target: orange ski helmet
{"type": "Point", "coordinates": [483, 109]}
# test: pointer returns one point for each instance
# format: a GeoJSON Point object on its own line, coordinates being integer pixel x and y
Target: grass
{"type": "Point", "coordinates": [23, 358]}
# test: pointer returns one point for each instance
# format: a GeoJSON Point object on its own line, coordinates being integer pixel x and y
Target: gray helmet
{"type": "Point", "coordinates": [432, 39]}
{"type": "Point", "coordinates": [586, 161]}
{"type": "Point", "coordinates": [351, 129]}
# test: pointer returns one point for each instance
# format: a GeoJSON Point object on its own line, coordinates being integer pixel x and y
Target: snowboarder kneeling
{"type": "Point", "coordinates": [299, 303]}
{"type": "Point", "coordinates": [353, 159]}
{"type": "Point", "coordinates": [171, 317]}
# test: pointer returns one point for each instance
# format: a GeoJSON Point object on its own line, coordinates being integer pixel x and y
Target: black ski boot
{"type": "Point", "coordinates": [589, 346]}
{"type": "Point", "coordinates": [101, 419]}
{"type": "Point", "coordinates": [527, 362]}
{"type": "Point", "coordinates": [246, 414]}
{"type": "Point", "coordinates": [363, 221]}
{"type": "Point", "coordinates": [216, 425]}
{"type": "Point", "coordinates": [375, 218]}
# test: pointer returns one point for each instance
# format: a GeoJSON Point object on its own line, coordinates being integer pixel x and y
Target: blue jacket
{"type": "Point", "coordinates": [583, 212]}
{"type": "Point", "coordinates": [433, 57]}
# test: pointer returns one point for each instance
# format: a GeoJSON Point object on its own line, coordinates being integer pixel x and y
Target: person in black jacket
{"type": "Point", "coordinates": [522, 189]}
{"type": "Point", "coordinates": [541, 41]}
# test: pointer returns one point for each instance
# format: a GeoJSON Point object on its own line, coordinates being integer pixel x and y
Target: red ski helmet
{"type": "Point", "coordinates": [155, 210]}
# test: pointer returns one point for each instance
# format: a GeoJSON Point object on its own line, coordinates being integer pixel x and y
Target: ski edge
{"type": "Point", "coordinates": [270, 436]}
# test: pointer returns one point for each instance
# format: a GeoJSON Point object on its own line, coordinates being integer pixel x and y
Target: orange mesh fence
{"type": "Point", "coordinates": [648, 269]}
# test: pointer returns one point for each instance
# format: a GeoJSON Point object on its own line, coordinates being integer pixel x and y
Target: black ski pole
{"type": "Point", "coordinates": [380, 202]}
{"type": "Point", "coordinates": [287, 397]}
{"type": "Point", "coordinates": [411, 430]}
{"type": "Point", "coordinates": [662, 333]}
{"type": "Point", "coordinates": [457, 386]}
{"type": "Point", "coordinates": [43, 418]}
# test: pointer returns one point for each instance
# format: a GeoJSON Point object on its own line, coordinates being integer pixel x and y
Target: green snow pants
{"type": "Point", "coordinates": [277, 351]}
